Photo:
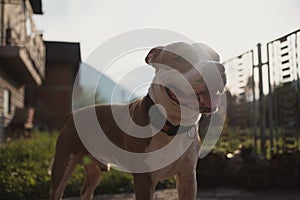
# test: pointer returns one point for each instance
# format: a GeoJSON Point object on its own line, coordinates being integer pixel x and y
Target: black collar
{"type": "Point", "coordinates": [158, 118]}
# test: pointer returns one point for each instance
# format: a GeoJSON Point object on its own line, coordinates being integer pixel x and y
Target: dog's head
{"type": "Point", "coordinates": [200, 65]}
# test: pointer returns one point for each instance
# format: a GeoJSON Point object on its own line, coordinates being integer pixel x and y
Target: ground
{"type": "Point", "coordinates": [213, 194]}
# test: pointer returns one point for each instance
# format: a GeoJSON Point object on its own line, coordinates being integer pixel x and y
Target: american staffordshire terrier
{"type": "Point", "coordinates": [180, 113]}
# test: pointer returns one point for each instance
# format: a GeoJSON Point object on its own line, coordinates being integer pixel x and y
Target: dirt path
{"type": "Point", "coordinates": [213, 194]}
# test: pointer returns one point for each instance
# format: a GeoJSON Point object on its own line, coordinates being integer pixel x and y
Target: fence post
{"type": "Point", "coordinates": [270, 104]}
{"type": "Point", "coordinates": [254, 107]}
{"type": "Point", "coordinates": [261, 103]}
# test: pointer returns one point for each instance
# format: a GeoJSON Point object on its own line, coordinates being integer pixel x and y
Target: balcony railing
{"type": "Point", "coordinates": [18, 30]}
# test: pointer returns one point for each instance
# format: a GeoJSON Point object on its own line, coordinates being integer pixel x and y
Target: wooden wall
{"type": "Point", "coordinates": [17, 96]}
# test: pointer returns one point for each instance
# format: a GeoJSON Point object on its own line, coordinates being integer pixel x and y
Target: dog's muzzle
{"type": "Point", "coordinates": [186, 101]}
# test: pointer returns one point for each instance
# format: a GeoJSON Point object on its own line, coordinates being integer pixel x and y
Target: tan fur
{"type": "Point", "coordinates": [70, 150]}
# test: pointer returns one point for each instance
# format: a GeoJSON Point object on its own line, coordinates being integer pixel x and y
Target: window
{"type": "Point", "coordinates": [6, 102]}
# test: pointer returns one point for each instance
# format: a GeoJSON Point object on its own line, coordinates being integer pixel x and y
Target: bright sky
{"type": "Point", "coordinates": [229, 26]}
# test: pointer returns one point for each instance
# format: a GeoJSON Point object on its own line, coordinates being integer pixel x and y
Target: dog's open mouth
{"type": "Point", "coordinates": [188, 101]}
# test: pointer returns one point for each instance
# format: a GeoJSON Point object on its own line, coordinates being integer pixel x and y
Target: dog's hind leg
{"type": "Point", "coordinates": [63, 167]}
{"type": "Point", "coordinates": [144, 186]}
{"type": "Point", "coordinates": [61, 171]}
{"type": "Point", "coordinates": [93, 176]}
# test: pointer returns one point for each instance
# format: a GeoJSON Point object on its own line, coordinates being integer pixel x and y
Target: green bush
{"type": "Point", "coordinates": [211, 170]}
{"type": "Point", "coordinates": [24, 171]}
{"type": "Point", "coordinates": [115, 181]}
{"type": "Point", "coordinates": [24, 168]}
{"type": "Point", "coordinates": [285, 170]}
{"type": "Point", "coordinates": [249, 170]}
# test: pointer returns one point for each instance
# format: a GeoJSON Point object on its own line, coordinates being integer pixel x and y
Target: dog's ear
{"type": "Point", "coordinates": [209, 73]}
{"type": "Point", "coordinates": [153, 53]}
{"type": "Point", "coordinates": [207, 51]}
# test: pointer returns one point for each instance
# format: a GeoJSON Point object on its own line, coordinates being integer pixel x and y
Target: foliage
{"type": "Point", "coordinates": [168, 183]}
{"type": "Point", "coordinates": [24, 174]}
{"type": "Point", "coordinates": [284, 171]}
{"type": "Point", "coordinates": [249, 170]}
{"type": "Point", "coordinates": [115, 181]}
{"type": "Point", "coordinates": [24, 171]}
{"type": "Point", "coordinates": [210, 172]}
{"type": "Point", "coordinates": [24, 165]}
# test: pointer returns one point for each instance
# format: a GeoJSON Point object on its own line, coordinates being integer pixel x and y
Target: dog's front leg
{"type": "Point", "coordinates": [144, 186]}
{"type": "Point", "coordinates": [186, 186]}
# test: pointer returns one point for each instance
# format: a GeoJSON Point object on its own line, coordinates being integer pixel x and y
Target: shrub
{"type": "Point", "coordinates": [24, 175]}
{"type": "Point", "coordinates": [115, 181]}
{"type": "Point", "coordinates": [250, 171]}
{"type": "Point", "coordinates": [285, 170]}
{"type": "Point", "coordinates": [24, 165]}
{"type": "Point", "coordinates": [210, 170]}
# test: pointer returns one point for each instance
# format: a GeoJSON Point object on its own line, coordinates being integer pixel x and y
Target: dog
{"type": "Point", "coordinates": [179, 111]}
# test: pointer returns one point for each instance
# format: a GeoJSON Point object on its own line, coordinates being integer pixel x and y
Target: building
{"type": "Point", "coordinates": [22, 59]}
{"type": "Point", "coordinates": [53, 99]}
{"type": "Point", "coordinates": [36, 76]}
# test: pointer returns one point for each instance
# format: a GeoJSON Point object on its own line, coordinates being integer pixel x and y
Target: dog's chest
{"type": "Point", "coordinates": [158, 141]}
{"type": "Point", "coordinates": [186, 155]}
{"type": "Point", "coordinates": [177, 146]}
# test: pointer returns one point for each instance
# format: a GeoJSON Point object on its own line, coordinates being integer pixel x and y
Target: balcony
{"type": "Point", "coordinates": [22, 50]}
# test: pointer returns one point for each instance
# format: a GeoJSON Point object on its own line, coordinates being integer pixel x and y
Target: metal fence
{"type": "Point", "coordinates": [266, 95]}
